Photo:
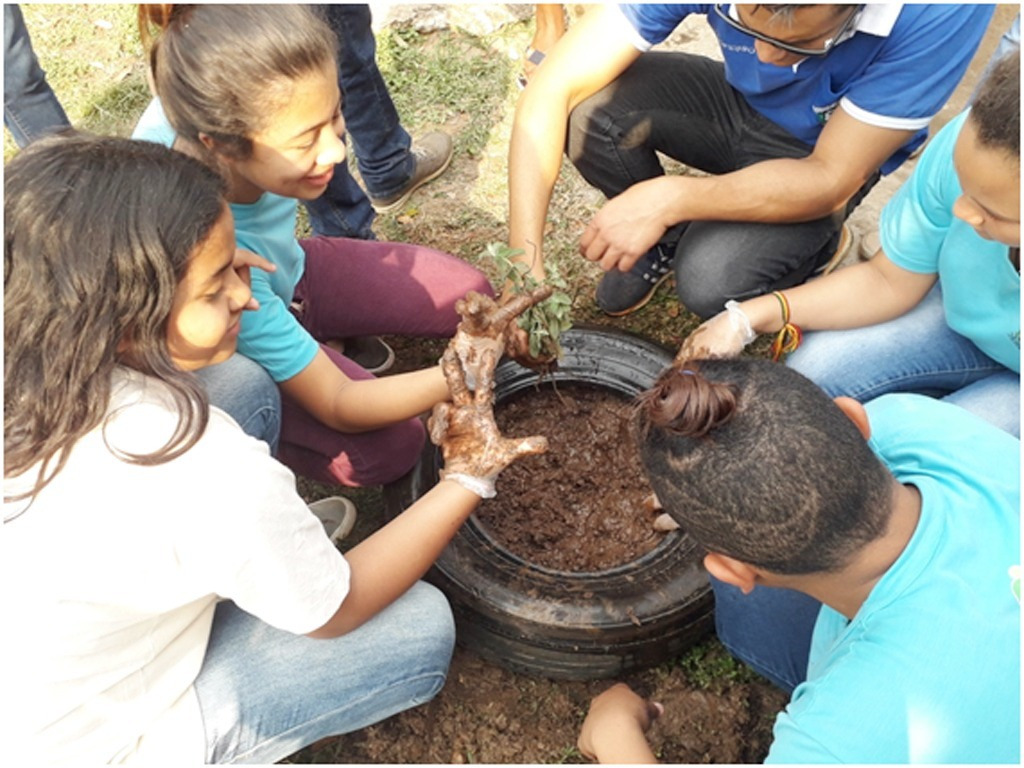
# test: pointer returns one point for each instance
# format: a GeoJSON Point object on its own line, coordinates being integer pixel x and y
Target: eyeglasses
{"type": "Point", "coordinates": [827, 46]}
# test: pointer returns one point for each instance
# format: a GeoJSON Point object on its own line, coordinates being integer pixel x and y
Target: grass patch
{"type": "Point", "coordinates": [709, 666]}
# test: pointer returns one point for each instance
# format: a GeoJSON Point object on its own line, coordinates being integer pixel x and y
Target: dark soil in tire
{"type": "Point", "coordinates": [578, 507]}
{"type": "Point", "coordinates": [569, 624]}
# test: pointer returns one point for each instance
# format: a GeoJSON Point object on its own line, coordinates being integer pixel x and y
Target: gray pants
{"type": "Point", "coordinates": [681, 105]}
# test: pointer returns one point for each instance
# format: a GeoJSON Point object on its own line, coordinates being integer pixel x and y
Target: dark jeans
{"type": "Point", "coordinates": [380, 143]}
{"type": "Point", "coordinates": [769, 630]}
{"type": "Point", "coordinates": [31, 109]}
{"type": "Point", "coordinates": [681, 105]}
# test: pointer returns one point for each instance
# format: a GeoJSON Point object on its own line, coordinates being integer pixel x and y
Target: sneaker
{"type": "Point", "coordinates": [337, 514]}
{"type": "Point", "coordinates": [620, 293]}
{"type": "Point", "coordinates": [431, 155]}
{"type": "Point", "coordinates": [842, 251]}
{"type": "Point", "coordinates": [371, 352]}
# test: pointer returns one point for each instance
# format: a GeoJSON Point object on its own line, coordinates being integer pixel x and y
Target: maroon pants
{"type": "Point", "coordinates": [364, 288]}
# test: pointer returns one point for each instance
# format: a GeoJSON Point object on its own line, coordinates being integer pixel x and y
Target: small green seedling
{"type": "Point", "coordinates": [545, 322]}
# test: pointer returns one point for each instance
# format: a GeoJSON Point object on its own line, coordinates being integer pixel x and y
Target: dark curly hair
{"type": "Point", "coordinates": [98, 233]}
{"type": "Point", "coordinates": [754, 461]}
{"type": "Point", "coordinates": [996, 108]}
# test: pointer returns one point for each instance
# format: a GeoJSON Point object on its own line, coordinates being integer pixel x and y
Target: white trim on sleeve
{"type": "Point", "coordinates": [634, 37]}
{"type": "Point", "coordinates": [884, 121]}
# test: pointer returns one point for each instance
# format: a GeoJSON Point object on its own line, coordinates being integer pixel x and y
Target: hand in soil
{"type": "Point", "coordinates": [613, 731]}
{"type": "Point", "coordinates": [487, 325]}
{"type": "Point", "coordinates": [465, 430]}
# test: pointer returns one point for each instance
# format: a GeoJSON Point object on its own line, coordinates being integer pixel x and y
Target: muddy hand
{"type": "Point", "coordinates": [723, 336]}
{"type": "Point", "coordinates": [465, 430]}
{"type": "Point", "coordinates": [487, 325]}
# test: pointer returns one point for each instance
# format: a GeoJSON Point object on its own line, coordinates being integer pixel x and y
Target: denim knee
{"type": "Point", "coordinates": [245, 391]}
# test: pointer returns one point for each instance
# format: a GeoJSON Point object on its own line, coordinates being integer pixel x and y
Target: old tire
{"type": "Point", "coordinates": [557, 624]}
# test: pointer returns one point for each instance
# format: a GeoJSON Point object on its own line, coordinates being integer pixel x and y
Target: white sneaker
{"type": "Point", "coordinates": [337, 514]}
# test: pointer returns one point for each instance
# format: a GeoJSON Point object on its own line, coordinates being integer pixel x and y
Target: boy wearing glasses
{"type": "Point", "coordinates": [811, 104]}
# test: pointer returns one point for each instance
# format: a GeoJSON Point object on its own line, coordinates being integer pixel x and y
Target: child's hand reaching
{"type": "Point", "coordinates": [613, 731]}
{"type": "Point", "coordinates": [487, 325]}
{"type": "Point", "coordinates": [474, 450]}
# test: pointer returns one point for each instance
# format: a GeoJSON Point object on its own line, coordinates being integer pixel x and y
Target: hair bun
{"type": "Point", "coordinates": [683, 401]}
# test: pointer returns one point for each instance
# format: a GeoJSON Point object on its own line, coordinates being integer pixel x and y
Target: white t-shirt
{"type": "Point", "coordinates": [111, 575]}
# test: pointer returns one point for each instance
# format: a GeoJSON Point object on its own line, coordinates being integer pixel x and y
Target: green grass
{"type": "Point", "coordinates": [94, 62]}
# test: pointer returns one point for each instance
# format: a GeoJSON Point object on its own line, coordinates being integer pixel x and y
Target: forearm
{"type": "Point", "coordinates": [863, 294]}
{"type": "Point", "coordinates": [359, 406]}
{"type": "Point", "coordinates": [347, 405]}
{"type": "Point", "coordinates": [780, 190]}
{"type": "Point", "coordinates": [391, 560]}
{"type": "Point", "coordinates": [535, 157]}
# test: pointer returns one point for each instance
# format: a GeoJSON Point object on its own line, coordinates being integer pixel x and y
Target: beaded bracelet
{"type": "Point", "coordinates": [790, 335]}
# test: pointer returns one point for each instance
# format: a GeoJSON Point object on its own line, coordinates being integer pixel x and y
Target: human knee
{"type": "Point", "coordinates": [703, 295]}
{"type": "Point", "coordinates": [434, 623]}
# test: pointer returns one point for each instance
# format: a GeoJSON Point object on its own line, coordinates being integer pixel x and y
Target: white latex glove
{"type": "Point", "coordinates": [724, 335]}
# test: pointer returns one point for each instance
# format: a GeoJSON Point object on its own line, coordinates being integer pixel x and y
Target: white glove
{"type": "Point", "coordinates": [724, 335]}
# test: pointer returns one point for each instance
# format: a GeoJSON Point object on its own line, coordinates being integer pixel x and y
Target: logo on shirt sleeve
{"type": "Point", "coordinates": [822, 114]}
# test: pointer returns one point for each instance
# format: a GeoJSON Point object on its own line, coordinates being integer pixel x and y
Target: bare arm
{"type": "Point", "coordinates": [863, 294]}
{"type": "Point", "coordinates": [357, 406]}
{"type": "Point", "coordinates": [589, 56]}
{"type": "Point", "coordinates": [846, 154]}
{"type": "Point", "coordinates": [390, 561]}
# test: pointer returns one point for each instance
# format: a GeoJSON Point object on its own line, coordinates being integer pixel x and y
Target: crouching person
{"type": "Point", "coordinates": [169, 596]}
{"type": "Point", "coordinates": [900, 517]}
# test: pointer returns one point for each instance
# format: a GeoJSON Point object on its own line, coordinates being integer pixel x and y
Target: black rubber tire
{"type": "Point", "coordinates": [559, 624]}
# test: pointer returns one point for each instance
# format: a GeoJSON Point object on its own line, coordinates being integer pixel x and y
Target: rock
{"type": "Point", "coordinates": [473, 18]}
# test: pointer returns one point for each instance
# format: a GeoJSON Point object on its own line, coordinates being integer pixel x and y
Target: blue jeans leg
{"type": "Point", "coordinates": [917, 352]}
{"type": "Point", "coordinates": [343, 210]}
{"type": "Point", "coordinates": [31, 108]}
{"type": "Point", "coordinates": [265, 693]}
{"type": "Point", "coordinates": [381, 143]}
{"type": "Point", "coordinates": [245, 391]}
{"type": "Point", "coordinates": [769, 630]}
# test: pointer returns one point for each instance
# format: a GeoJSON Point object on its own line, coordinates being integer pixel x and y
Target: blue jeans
{"type": "Point", "coordinates": [265, 693]}
{"type": "Point", "coordinates": [769, 630]}
{"type": "Point", "coordinates": [680, 105]}
{"type": "Point", "coordinates": [380, 143]}
{"type": "Point", "coordinates": [31, 109]}
{"type": "Point", "coordinates": [917, 352]}
{"type": "Point", "coordinates": [245, 391]}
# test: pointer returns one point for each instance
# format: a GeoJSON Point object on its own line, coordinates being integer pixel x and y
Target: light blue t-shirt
{"type": "Point", "coordinates": [918, 232]}
{"type": "Point", "coordinates": [271, 335]}
{"type": "Point", "coordinates": [929, 668]}
{"type": "Point", "coordinates": [896, 71]}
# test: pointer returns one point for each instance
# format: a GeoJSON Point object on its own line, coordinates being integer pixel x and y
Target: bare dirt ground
{"type": "Point", "coordinates": [715, 710]}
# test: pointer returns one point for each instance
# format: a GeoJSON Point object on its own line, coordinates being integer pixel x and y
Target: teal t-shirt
{"type": "Point", "coordinates": [271, 335]}
{"type": "Point", "coordinates": [980, 287]}
{"type": "Point", "coordinates": [928, 671]}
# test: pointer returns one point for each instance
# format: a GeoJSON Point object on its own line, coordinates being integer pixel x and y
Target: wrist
{"type": "Point", "coordinates": [481, 486]}
{"type": "Point", "coordinates": [764, 313]}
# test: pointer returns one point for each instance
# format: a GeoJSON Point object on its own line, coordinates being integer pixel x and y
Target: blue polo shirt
{"type": "Point", "coordinates": [898, 67]}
